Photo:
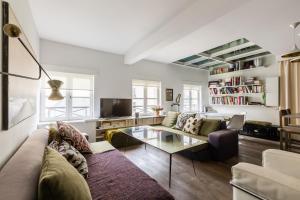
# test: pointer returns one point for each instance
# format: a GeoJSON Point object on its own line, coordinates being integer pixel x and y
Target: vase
{"type": "Point", "coordinates": [157, 112]}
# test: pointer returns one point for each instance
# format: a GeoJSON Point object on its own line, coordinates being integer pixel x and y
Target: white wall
{"type": "Point", "coordinates": [112, 77]}
{"type": "Point", "coordinates": [10, 140]}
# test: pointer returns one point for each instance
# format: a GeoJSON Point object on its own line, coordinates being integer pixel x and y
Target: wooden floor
{"type": "Point", "coordinates": [212, 178]}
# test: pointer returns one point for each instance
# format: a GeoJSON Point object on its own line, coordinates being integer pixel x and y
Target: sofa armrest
{"type": "Point", "coordinates": [223, 144]}
{"type": "Point", "coordinates": [223, 137]}
{"type": "Point", "coordinates": [85, 135]}
{"type": "Point", "coordinates": [265, 182]}
{"type": "Point", "coordinates": [285, 162]}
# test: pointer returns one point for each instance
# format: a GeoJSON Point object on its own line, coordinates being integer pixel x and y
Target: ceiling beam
{"type": "Point", "coordinates": [214, 58]}
{"type": "Point", "coordinates": [195, 60]}
{"type": "Point", "coordinates": [210, 64]}
{"type": "Point", "coordinates": [195, 16]}
{"type": "Point", "coordinates": [235, 48]}
{"type": "Point", "coordinates": [250, 53]}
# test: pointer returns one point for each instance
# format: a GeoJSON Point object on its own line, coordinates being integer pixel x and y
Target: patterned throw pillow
{"type": "Point", "coordinates": [181, 119]}
{"type": "Point", "coordinates": [192, 125]}
{"type": "Point", "coordinates": [72, 135]}
{"type": "Point", "coordinates": [74, 157]}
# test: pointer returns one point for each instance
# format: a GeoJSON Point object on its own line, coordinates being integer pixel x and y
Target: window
{"type": "Point", "coordinates": [145, 95]}
{"type": "Point", "coordinates": [192, 98]}
{"type": "Point", "coordinates": [78, 90]}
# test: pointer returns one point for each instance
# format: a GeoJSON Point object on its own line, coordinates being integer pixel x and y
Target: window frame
{"type": "Point", "coordinates": [146, 84]}
{"type": "Point", "coordinates": [69, 115]}
{"type": "Point", "coordinates": [192, 87]}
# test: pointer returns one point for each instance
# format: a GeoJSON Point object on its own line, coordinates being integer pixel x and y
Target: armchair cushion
{"type": "Point", "coordinates": [282, 161]}
{"type": "Point", "coordinates": [265, 182]}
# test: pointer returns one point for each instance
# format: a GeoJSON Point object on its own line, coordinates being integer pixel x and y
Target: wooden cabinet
{"type": "Point", "coordinates": [115, 123]}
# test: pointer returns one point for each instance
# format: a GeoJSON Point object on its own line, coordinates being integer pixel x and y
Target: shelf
{"type": "Point", "coordinates": [100, 137]}
{"type": "Point", "coordinates": [237, 94]}
{"type": "Point", "coordinates": [236, 86]}
{"type": "Point", "coordinates": [236, 105]}
{"type": "Point", "coordinates": [237, 71]}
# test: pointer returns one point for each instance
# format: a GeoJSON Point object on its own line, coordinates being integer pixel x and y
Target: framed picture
{"type": "Point", "coordinates": [18, 94]}
{"type": "Point", "coordinates": [169, 94]}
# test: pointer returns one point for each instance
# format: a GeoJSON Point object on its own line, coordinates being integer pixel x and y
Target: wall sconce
{"type": "Point", "coordinates": [14, 31]}
{"type": "Point", "coordinates": [294, 54]}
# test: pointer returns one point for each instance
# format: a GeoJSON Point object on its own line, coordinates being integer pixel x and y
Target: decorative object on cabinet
{"type": "Point", "coordinates": [157, 110]}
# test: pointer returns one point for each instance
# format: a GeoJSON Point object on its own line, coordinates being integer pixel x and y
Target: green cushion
{"type": "Point", "coordinates": [60, 180]}
{"type": "Point", "coordinates": [209, 125]}
{"type": "Point", "coordinates": [53, 135]}
{"type": "Point", "coordinates": [262, 123]}
{"type": "Point", "coordinates": [170, 119]}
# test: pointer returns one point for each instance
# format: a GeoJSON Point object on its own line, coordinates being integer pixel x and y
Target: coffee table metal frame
{"type": "Point", "coordinates": [170, 154]}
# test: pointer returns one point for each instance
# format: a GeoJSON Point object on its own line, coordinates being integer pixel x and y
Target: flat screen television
{"type": "Point", "coordinates": [115, 107]}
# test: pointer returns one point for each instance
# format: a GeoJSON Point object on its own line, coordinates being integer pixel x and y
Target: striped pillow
{"type": "Point", "coordinates": [170, 119]}
{"type": "Point", "coordinates": [73, 156]}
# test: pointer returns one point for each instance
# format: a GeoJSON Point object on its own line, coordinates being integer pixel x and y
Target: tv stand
{"type": "Point", "coordinates": [104, 124]}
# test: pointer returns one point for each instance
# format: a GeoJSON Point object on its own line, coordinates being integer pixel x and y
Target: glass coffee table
{"type": "Point", "coordinates": [164, 140]}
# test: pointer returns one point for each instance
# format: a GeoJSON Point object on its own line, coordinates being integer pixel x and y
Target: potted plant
{"type": "Point", "coordinates": [157, 109]}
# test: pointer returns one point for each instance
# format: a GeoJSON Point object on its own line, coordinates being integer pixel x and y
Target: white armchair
{"type": "Point", "coordinates": [278, 178]}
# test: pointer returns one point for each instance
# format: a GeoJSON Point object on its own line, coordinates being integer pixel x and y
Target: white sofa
{"type": "Point", "coordinates": [277, 178]}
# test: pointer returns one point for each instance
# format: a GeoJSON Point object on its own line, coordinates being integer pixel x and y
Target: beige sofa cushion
{"type": "Point", "coordinates": [100, 147]}
{"type": "Point", "coordinates": [170, 119]}
{"type": "Point", "coordinates": [19, 177]}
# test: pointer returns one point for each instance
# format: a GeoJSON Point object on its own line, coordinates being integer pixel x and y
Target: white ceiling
{"type": "Point", "coordinates": [165, 30]}
{"type": "Point", "coordinates": [264, 22]}
{"type": "Point", "coordinates": [107, 25]}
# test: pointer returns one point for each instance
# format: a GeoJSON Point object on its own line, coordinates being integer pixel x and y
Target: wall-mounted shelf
{"type": "Point", "coordinates": [236, 90]}
{"type": "Point", "coordinates": [235, 86]}
{"type": "Point", "coordinates": [234, 73]}
{"type": "Point", "coordinates": [247, 105]}
{"type": "Point", "coordinates": [237, 94]}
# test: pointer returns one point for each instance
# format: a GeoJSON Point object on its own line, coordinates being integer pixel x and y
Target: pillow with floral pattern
{"type": "Point", "coordinates": [73, 136]}
{"type": "Point", "coordinates": [192, 125]}
{"type": "Point", "coordinates": [181, 119]}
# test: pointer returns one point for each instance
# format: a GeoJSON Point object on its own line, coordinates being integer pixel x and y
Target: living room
{"type": "Point", "coordinates": [154, 106]}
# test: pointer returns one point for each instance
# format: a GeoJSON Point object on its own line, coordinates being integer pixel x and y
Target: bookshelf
{"type": "Point", "coordinates": [236, 90]}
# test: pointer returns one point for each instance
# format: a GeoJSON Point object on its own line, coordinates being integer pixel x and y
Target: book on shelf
{"type": "Point", "coordinates": [229, 100]}
{"type": "Point", "coordinates": [236, 90]}
{"type": "Point", "coordinates": [234, 81]}
{"type": "Point", "coordinates": [213, 84]}
{"type": "Point", "coordinates": [220, 70]}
